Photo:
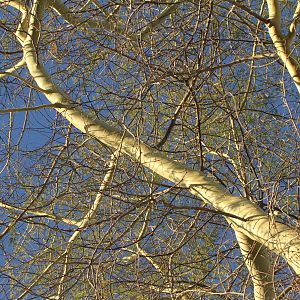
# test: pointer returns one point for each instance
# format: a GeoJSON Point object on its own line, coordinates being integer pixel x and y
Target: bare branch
{"type": "Point", "coordinates": [283, 52]}
{"type": "Point", "coordinates": [292, 30]}
{"type": "Point", "coordinates": [23, 109]}
{"type": "Point", "coordinates": [39, 214]}
{"type": "Point", "coordinates": [279, 237]}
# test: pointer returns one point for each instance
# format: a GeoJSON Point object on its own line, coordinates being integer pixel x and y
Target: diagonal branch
{"type": "Point", "coordinates": [87, 218]}
{"type": "Point", "coordinates": [248, 10]}
{"type": "Point", "coordinates": [157, 21]}
{"type": "Point", "coordinates": [259, 227]}
{"type": "Point", "coordinates": [108, 24]}
{"type": "Point", "coordinates": [173, 119]}
{"type": "Point", "coordinates": [292, 30]}
{"type": "Point", "coordinates": [76, 21]}
{"type": "Point", "coordinates": [9, 71]}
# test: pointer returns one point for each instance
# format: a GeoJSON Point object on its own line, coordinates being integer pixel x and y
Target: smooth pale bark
{"type": "Point", "coordinates": [82, 225]}
{"type": "Point", "coordinates": [20, 5]}
{"type": "Point", "coordinates": [257, 260]}
{"type": "Point", "coordinates": [281, 44]}
{"type": "Point", "coordinates": [10, 71]}
{"type": "Point", "coordinates": [112, 25]}
{"type": "Point", "coordinates": [68, 15]}
{"type": "Point", "coordinates": [259, 227]}
{"type": "Point", "coordinates": [292, 30]}
{"type": "Point", "coordinates": [40, 214]}
{"type": "Point", "coordinates": [88, 216]}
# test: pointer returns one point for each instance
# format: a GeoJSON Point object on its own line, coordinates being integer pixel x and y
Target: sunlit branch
{"type": "Point", "coordinates": [279, 237]}
{"type": "Point", "coordinates": [9, 72]}
{"type": "Point", "coordinates": [259, 264]}
{"type": "Point", "coordinates": [81, 226]}
{"type": "Point", "coordinates": [279, 42]}
{"type": "Point", "coordinates": [248, 10]}
{"type": "Point", "coordinates": [24, 109]}
{"type": "Point", "coordinates": [140, 250]}
{"type": "Point", "coordinates": [174, 119]}
{"type": "Point", "coordinates": [292, 29]}
{"type": "Point", "coordinates": [230, 64]}
{"type": "Point", "coordinates": [23, 80]}
{"type": "Point", "coordinates": [69, 17]}
{"type": "Point", "coordinates": [88, 216]}
{"type": "Point", "coordinates": [40, 214]}
{"type": "Point", "coordinates": [157, 21]}
{"type": "Point", "coordinates": [252, 64]}
{"type": "Point", "coordinates": [257, 227]}
{"type": "Point", "coordinates": [22, 30]}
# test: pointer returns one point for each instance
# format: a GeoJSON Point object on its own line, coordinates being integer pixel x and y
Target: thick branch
{"type": "Point", "coordinates": [280, 44]}
{"type": "Point", "coordinates": [292, 30]}
{"type": "Point", "coordinates": [22, 30]}
{"type": "Point", "coordinates": [258, 262]}
{"type": "Point", "coordinates": [259, 227]}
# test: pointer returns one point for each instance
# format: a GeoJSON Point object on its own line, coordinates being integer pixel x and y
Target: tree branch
{"type": "Point", "coordinates": [248, 10]}
{"type": "Point", "coordinates": [40, 214]}
{"type": "Point", "coordinates": [280, 44]}
{"type": "Point", "coordinates": [9, 71]}
{"type": "Point", "coordinates": [292, 29]}
{"type": "Point", "coordinates": [259, 227]}
{"type": "Point", "coordinates": [259, 264]}
{"type": "Point", "coordinates": [22, 109]}
{"type": "Point", "coordinates": [68, 15]}
{"type": "Point", "coordinates": [88, 216]}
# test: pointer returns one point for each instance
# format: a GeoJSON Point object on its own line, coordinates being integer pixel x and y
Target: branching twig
{"type": "Point", "coordinates": [24, 109]}
{"type": "Point", "coordinates": [87, 218]}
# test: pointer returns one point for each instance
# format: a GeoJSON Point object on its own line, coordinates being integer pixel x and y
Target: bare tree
{"type": "Point", "coordinates": [165, 119]}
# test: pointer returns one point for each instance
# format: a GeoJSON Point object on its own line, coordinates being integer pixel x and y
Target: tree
{"type": "Point", "coordinates": [187, 113]}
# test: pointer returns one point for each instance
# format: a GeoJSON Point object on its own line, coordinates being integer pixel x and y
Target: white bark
{"type": "Point", "coordinates": [292, 30]}
{"type": "Point", "coordinates": [273, 234]}
{"type": "Point", "coordinates": [68, 15]}
{"type": "Point", "coordinates": [257, 260]}
{"type": "Point", "coordinates": [281, 44]}
{"type": "Point", "coordinates": [40, 214]}
{"type": "Point", "coordinates": [83, 224]}
{"type": "Point", "coordinates": [258, 227]}
{"type": "Point", "coordinates": [10, 71]}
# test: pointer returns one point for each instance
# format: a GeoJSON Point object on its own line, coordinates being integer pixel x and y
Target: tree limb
{"type": "Point", "coordinates": [279, 42]}
{"type": "Point", "coordinates": [259, 227]}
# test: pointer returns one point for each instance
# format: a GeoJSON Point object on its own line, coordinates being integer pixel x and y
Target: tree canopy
{"type": "Point", "coordinates": [149, 149]}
